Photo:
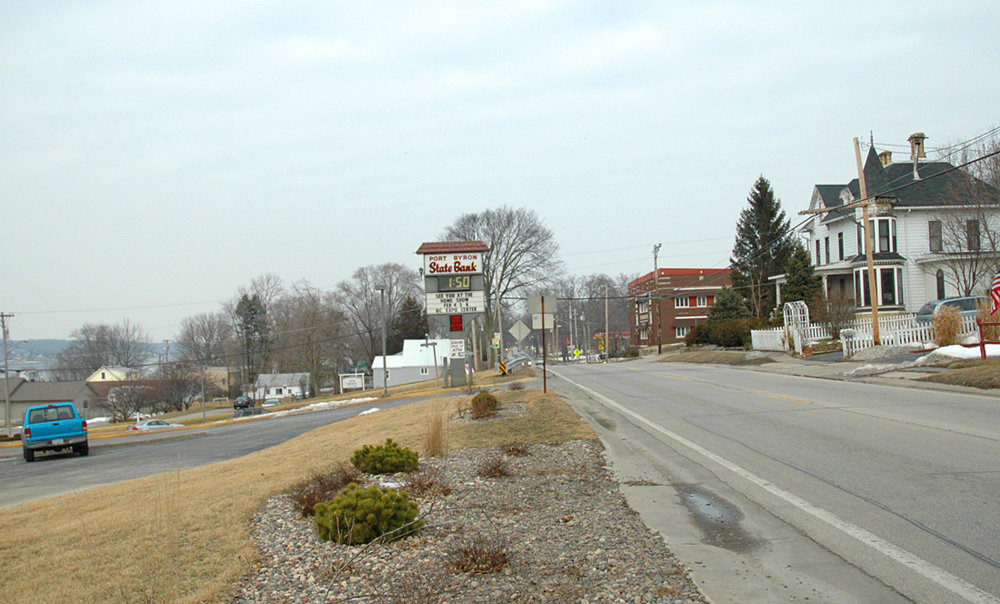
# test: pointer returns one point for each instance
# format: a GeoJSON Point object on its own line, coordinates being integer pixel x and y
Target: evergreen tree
{"type": "Point", "coordinates": [409, 324]}
{"type": "Point", "coordinates": [728, 305]}
{"type": "Point", "coordinates": [803, 284]}
{"type": "Point", "coordinates": [763, 245]}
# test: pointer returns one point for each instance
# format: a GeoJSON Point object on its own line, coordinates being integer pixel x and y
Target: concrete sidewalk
{"type": "Point", "coordinates": [893, 371]}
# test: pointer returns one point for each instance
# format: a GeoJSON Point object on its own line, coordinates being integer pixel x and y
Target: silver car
{"type": "Point", "coordinates": [154, 424]}
{"type": "Point", "coordinates": [966, 305]}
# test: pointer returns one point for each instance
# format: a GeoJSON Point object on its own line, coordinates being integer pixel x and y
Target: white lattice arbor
{"type": "Point", "coordinates": [796, 322]}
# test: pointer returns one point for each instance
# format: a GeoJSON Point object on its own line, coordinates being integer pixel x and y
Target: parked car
{"type": "Point", "coordinates": [154, 424]}
{"type": "Point", "coordinates": [242, 402]}
{"type": "Point", "coordinates": [271, 402]}
{"type": "Point", "coordinates": [966, 305]}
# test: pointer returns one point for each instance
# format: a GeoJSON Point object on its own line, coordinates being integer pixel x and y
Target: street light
{"type": "Point", "coordinates": [385, 377]}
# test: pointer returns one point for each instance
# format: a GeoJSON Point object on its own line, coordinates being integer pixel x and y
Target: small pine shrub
{"type": "Point", "coordinates": [359, 515]}
{"type": "Point", "coordinates": [484, 405]}
{"type": "Point", "coordinates": [947, 323]}
{"type": "Point", "coordinates": [385, 459]}
{"type": "Point", "coordinates": [322, 487]}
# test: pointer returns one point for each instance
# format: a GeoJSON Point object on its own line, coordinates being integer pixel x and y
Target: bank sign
{"type": "Point", "coordinates": [463, 263]}
{"type": "Point", "coordinates": [455, 303]}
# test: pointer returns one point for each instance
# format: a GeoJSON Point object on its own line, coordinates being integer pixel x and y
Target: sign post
{"type": "Point", "coordinates": [537, 306]}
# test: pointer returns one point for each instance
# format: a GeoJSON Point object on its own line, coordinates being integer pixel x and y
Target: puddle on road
{"type": "Point", "coordinates": [718, 519]}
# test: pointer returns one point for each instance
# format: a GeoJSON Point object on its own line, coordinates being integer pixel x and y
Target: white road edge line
{"type": "Point", "coordinates": [934, 573]}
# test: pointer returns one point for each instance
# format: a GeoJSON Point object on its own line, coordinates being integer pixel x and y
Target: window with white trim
{"type": "Point", "coordinates": [702, 300]}
{"type": "Point", "coordinates": [681, 330]}
{"type": "Point", "coordinates": [424, 371]}
{"type": "Point", "coordinates": [683, 302]}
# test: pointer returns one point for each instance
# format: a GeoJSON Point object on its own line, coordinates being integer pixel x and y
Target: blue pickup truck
{"type": "Point", "coordinates": [51, 428]}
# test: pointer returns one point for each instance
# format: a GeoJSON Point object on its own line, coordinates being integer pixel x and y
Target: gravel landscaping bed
{"type": "Point", "coordinates": [558, 517]}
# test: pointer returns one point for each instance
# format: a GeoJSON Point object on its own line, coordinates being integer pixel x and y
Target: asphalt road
{"type": "Point", "coordinates": [115, 459]}
{"type": "Point", "coordinates": [776, 487]}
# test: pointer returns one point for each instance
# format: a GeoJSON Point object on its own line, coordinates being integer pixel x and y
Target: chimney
{"type": "Point", "coordinates": [917, 151]}
{"type": "Point", "coordinates": [885, 157]}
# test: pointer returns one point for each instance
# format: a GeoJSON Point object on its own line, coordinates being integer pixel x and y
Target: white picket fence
{"type": "Point", "coordinates": [895, 330]}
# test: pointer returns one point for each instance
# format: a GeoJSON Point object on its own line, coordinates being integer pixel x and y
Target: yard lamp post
{"type": "Point", "coordinates": [385, 376]}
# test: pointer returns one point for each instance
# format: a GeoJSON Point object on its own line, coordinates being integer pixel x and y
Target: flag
{"type": "Point", "coordinates": [995, 293]}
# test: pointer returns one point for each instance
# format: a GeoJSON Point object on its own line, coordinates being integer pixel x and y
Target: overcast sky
{"type": "Point", "coordinates": [155, 156]}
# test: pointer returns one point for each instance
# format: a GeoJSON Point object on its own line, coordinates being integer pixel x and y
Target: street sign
{"type": "Point", "coordinates": [577, 352]}
{"type": "Point", "coordinates": [535, 305]}
{"type": "Point", "coordinates": [457, 349]}
{"type": "Point", "coordinates": [454, 303]}
{"type": "Point", "coordinates": [519, 331]}
{"type": "Point", "coordinates": [536, 320]}
{"type": "Point", "coordinates": [456, 322]}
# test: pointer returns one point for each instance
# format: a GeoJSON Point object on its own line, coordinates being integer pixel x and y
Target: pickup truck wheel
{"type": "Point", "coordinates": [83, 449]}
{"type": "Point", "coordinates": [29, 455]}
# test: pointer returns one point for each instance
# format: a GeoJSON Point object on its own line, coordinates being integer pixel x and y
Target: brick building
{"type": "Point", "coordinates": [683, 294]}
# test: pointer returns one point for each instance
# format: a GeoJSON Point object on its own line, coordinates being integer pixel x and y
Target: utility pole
{"type": "Point", "coordinates": [607, 334]}
{"type": "Point", "coordinates": [385, 371]}
{"type": "Point", "coordinates": [863, 203]}
{"type": "Point", "coordinates": [872, 285]}
{"type": "Point", "coordinates": [656, 281]}
{"type": "Point", "coordinates": [6, 376]}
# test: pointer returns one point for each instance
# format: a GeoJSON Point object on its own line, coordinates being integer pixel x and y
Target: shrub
{"type": "Point", "coordinates": [484, 405]}
{"type": "Point", "coordinates": [516, 386]}
{"type": "Point", "coordinates": [385, 459]}
{"type": "Point", "coordinates": [359, 515]}
{"type": "Point", "coordinates": [990, 332]}
{"type": "Point", "coordinates": [515, 449]}
{"type": "Point", "coordinates": [322, 487]}
{"type": "Point", "coordinates": [632, 353]}
{"type": "Point", "coordinates": [947, 323]}
{"type": "Point", "coordinates": [493, 467]}
{"type": "Point", "coordinates": [435, 442]}
{"type": "Point", "coordinates": [479, 555]}
{"type": "Point", "coordinates": [428, 481]}
{"type": "Point", "coordinates": [699, 334]}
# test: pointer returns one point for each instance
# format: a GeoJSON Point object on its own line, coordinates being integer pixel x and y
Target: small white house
{"type": "Point", "coordinates": [281, 385]}
{"type": "Point", "coordinates": [420, 360]}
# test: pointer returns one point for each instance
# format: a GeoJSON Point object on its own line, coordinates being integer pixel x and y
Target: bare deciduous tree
{"type": "Point", "coordinates": [522, 254]}
{"type": "Point", "coordinates": [968, 237]}
{"type": "Point", "coordinates": [361, 301]}
{"type": "Point", "coordinates": [312, 333]}
{"type": "Point", "coordinates": [203, 338]}
{"type": "Point", "coordinates": [125, 344]}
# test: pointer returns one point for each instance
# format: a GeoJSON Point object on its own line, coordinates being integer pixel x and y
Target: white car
{"type": "Point", "coordinates": [154, 424]}
{"type": "Point", "coordinates": [271, 402]}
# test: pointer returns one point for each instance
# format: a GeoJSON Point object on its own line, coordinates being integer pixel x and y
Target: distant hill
{"type": "Point", "coordinates": [34, 348]}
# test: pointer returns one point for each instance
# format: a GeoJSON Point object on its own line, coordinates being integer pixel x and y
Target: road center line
{"type": "Point", "coordinates": [784, 398]}
{"type": "Point", "coordinates": [922, 567]}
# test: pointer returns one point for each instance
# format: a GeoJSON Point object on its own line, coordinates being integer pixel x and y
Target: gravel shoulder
{"type": "Point", "coordinates": [559, 515]}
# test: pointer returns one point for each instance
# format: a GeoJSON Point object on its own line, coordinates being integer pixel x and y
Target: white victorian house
{"type": "Point", "coordinates": [932, 238]}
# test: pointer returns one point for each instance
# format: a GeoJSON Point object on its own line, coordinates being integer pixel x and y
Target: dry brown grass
{"type": "Point", "coordinates": [720, 357]}
{"type": "Point", "coordinates": [991, 333]}
{"type": "Point", "coordinates": [184, 536]}
{"type": "Point", "coordinates": [972, 373]}
{"type": "Point", "coordinates": [947, 323]}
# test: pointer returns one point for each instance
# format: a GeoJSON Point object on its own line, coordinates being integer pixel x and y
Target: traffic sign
{"type": "Point", "coordinates": [519, 331]}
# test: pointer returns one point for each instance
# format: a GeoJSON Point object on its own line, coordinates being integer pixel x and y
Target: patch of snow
{"type": "Point", "coordinates": [325, 406]}
{"type": "Point", "coordinates": [367, 411]}
{"type": "Point", "coordinates": [950, 353]}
